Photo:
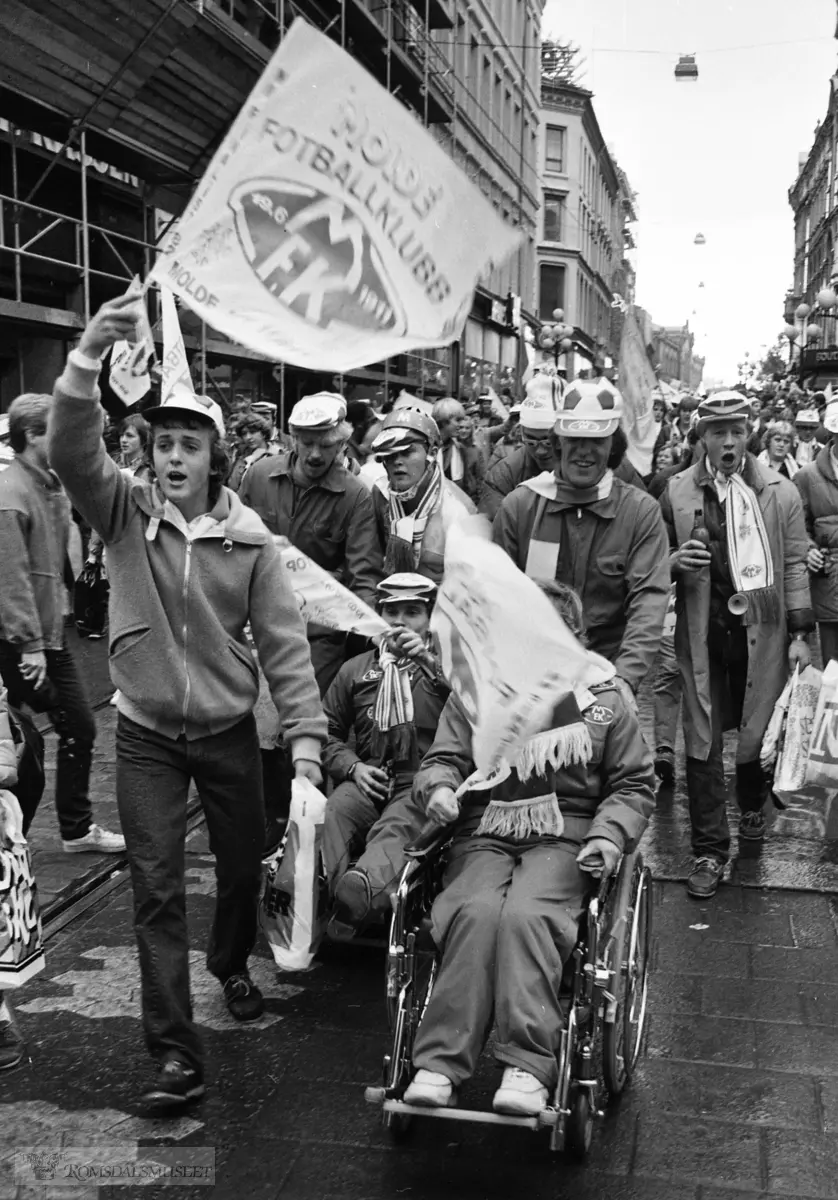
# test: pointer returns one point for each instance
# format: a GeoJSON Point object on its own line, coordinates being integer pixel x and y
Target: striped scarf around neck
{"type": "Point", "coordinates": [404, 548]}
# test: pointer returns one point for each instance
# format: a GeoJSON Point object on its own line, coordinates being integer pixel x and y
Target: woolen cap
{"type": "Point", "coordinates": [317, 413]}
{"type": "Point", "coordinates": [723, 406]}
{"type": "Point", "coordinates": [541, 403]}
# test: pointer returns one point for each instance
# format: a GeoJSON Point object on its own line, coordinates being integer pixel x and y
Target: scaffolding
{"type": "Point", "coordinates": [393, 38]}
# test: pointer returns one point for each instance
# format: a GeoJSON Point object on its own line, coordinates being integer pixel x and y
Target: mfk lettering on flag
{"type": "Point", "coordinates": [505, 650]}
{"type": "Point", "coordinates": [331, 230]}
{"type": "Point", "coordinates": [174, 368]}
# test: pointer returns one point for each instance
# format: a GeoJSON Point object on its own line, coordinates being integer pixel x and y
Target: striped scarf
{"type": "Point", "coordinates": [748, 550]}
{"type": "Point", "coordinates": [393, 733]}
{"type": "Point", "coordinates": [404, 547]}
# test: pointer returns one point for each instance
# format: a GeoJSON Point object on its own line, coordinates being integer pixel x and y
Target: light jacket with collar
{"type": "Point", "coordinates": [818, 489]}
{"type": "Point", "coordinates": [613, 552]}
{"type": "Point", "coordinates": [332, 521]}
{"type": "Point", "coordinates": [34, 532]}
{"type": "Point", "coordinates": [180, 598]}
{"type": "Point", "coordinates": [782, 514]}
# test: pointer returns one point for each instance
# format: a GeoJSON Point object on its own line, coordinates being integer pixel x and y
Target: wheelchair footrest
{"type": "Point", "coordinates": [546, 1118]}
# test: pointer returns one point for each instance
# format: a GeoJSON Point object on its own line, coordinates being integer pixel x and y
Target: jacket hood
{"type": "Point", "coordinates": [236, 521]}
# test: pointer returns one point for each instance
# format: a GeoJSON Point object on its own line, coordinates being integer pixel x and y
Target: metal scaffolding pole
{"type": "Point", "coordinates": [85, 230]}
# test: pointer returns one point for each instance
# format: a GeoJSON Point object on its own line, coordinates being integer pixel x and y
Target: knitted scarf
{"type": "Point", "coordinates": [523, 801]}
{"type": "Point", "coordinates": [552, 488]}
{"type": "Point", "coordinates": [393, 732]}
{"type": "Point", "coordinates": [748, 551]}
{"type": "Point", "coordinates": [404, 547]}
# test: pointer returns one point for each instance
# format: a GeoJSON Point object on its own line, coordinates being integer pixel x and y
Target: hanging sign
{"type": "Point", "coordinates": [331, 230]}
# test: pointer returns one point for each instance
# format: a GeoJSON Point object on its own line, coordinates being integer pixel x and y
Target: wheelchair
{"type": "Point", "coordinates": [604, 995]}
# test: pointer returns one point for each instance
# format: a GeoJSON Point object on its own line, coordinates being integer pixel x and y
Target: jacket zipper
{"type": "Point", "coordinates": [185, 594]}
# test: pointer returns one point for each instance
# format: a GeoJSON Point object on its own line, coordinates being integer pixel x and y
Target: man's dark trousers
{"type": "Point", "coordinates": [153, 773]}
{"type": "Point", "coordinates": [64, 698]}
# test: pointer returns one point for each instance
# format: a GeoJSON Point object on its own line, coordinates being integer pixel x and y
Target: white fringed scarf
{"type": "Point", "coordinates": [748, 549]}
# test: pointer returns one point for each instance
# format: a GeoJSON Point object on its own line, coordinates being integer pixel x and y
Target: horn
{"type": "Point", "coordinates": [738, 604]}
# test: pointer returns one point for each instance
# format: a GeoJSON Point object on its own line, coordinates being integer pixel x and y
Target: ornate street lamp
{"type": "Point", "coordinates": [802, 333]}
{"type": "Point", "coordinates": [556, 337]}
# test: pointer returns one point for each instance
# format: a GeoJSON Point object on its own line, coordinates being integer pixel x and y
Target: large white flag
{"type": "Point", "coordinates": [331, 230]}
{"type": "Point", "coordinates": [637, 382]}
{"type": "Point", "coordinates": [505, 650]}
{"type": "Point", "coordinates": [324, 601]}
{"type": "Point", "coordinates": [128, 370]}
{"type": "Point", "coordinates": [174, 368]}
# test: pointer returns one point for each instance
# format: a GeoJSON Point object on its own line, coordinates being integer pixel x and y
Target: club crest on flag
{"type": "Point", "coordinates": [313, 253]}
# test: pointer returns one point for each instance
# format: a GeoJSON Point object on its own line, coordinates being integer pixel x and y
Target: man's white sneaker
{"type": "Point", "coordinates": [430, 1089]}
{"type": "Point", "coordinates": [520, 1094]}
{"type": "Point", "coordinates": [96, 841]}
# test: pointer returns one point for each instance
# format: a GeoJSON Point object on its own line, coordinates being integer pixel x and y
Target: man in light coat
{"type": "Point", "coordinates": [818, 487]}
{"type": "Point", "coordinates": [743, 608]}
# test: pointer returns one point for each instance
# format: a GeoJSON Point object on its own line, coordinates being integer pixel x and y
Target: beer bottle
{"type": "Point", "coordinates": [700, 532]}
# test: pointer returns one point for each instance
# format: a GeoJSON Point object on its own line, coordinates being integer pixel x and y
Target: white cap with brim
{"type": "Point", "coordinates": [541, 403]}
{"type": "Point", "coordinates": [830, 417]}
{"type": "Point", "coordinates": [808, 416]}
{"type": "Point", "coordinates": [404, 586]}
{"type": "Point", "coordinates": [589, 409]}
{"type": "Point", "coordinates": [318, 413]}
{"type": "Point", "coordinates": [190, 407]}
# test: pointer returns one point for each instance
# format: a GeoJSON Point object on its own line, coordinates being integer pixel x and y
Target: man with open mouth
{"type": "Point", "coordinates": [190, 567]}
{"type": "Point", "coordinates": [739, 545]}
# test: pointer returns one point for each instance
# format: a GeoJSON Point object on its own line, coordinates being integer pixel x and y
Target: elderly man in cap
{"type": "Point", "coordinates": [388, 703]}
{"type": "Point", "coordinates": [581, 525]}
{"type": "Point", "coordinates": [415, 505]}
{"type": "Point", "coordinates": [818, 487]}
{"type": "Point", "coordinates": [190, 569]}
{"type": "Point", "coordinates": [738, 540]}
{"type": "Point", "coordinates": [308, 496]}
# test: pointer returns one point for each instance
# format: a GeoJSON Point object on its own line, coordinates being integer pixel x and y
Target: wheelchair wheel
{"type": "Point", "coordinates": [580, 1123]}
{"type": "Point", "coordinates": [629, 957]}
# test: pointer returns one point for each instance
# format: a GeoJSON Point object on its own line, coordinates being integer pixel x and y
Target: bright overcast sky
{"type": "Point", "coordinates": [717, 156]}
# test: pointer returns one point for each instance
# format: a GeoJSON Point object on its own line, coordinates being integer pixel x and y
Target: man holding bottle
{"type": "Point", "coordinates": [739, 546]}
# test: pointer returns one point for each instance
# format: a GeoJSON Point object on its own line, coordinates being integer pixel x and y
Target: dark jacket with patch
{"type": "Point", "coordinates": [611, 796]}
{"type": "Point", "coordinates": [349, 705]}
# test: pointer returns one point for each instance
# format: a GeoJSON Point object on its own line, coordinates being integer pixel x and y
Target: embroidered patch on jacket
{"type": "Point", "coordinates": [371, 675]}
{"type": "Point", "coordinates": [598, 714]}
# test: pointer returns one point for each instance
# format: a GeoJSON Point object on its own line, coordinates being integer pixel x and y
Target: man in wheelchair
{"type": "Point", "coordinates": [578, 796]}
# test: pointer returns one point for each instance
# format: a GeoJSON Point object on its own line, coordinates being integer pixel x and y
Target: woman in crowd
{"type": "Point", "coordinates": [254, 432]}
{"type": "Point", "coordinates": [133, 442]}
{"type": "Point", "coordinates": [415, 506]}
{"type": "Point", "coordinates": [777, 448]}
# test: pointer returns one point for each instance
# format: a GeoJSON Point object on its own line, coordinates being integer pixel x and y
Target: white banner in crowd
{"type": "Point", "coordinates": [505, 650]}
{"type": "Point", "coordinates": [330, 229]}
{"type": "Point", "coordinates": [174, 368]}
{"type": "Point", "coordinates": [324, 601]}
{"type": "Point", "coordinates": [637, 382]}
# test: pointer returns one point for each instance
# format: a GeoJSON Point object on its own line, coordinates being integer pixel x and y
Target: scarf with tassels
{"type": "Point", "coordinates": [404, 547]}
{"type": "Point", "coordinates": [393, 733]}
{"type": "Point", "coordinates": [523, 801]}
{"type": "Point", "coordinates": [748, 549]}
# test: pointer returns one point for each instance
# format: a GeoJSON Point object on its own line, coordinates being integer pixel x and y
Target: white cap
{"type": "Point", "coordinates": [830, 419]}
{"type": "Point", "coordinates": [180, 404]}
{"type": "Point", "coordinates": [541, 404]}
{"type": "Point", "coordinates": [318, 413]}
{"type": "Point", "coordinates": [589, 408]}
{"type": "Point", "coordinates": [808, 416]}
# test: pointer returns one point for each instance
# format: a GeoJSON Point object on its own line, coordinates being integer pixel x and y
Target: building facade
{"type": "Point", "coordinates": [97, 158]}
{"type": "Point", "coordinates": [673, 353]}
{"type": "Point", "coordinates": [585, 238]}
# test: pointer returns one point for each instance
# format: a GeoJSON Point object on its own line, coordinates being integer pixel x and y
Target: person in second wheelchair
{"type": "Point", "coordinates": [392, 700]}
{"type": "Point", "coordinates": [579, 794]}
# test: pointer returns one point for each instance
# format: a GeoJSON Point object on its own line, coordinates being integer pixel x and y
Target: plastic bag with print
{"type": "Point", "coordinates": [21, 936]}
{"type": "Point", "coordinates": [790, 774]}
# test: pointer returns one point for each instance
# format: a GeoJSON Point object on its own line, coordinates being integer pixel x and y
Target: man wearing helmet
{"type": "Point", "coordinates": [581, 525]}
{"type": "Point", "coordinates": [416, 505]}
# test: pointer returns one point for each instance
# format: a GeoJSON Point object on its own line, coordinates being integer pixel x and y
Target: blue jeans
{"type": "Point", "coordinates": [64, 697]}
{"type": "Point", "coordinates": [153, 774]}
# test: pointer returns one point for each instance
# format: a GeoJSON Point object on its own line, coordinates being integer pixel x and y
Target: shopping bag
{"type": "Point", "coordinates": [292, 912]}
{"type": "Point", "coordinates": [822, 766]}
{"type": "Point", "coordinates": [21, 936]}
{"type": "Point", "coordinates": [790, 772]}
{"type": "Point", "coordinates": [773, 735]}
{"type": "Point", "coordinates": [90, 599]}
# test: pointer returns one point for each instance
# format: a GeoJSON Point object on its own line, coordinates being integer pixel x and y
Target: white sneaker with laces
{"type": "Point", "coordinates": [96, 841]}
{"type": "Point", "coordinates": [520, 1094]}
{"type": "Point", "coordinates": [430, 1089]}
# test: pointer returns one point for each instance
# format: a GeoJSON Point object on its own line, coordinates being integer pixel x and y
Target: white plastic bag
{"type": "Point", "coordinates": [292, 912]}
{"type": "Point", "coordinates": [21, 936]}
{"type": "Point", "coordinates": [790, 777]}
{"type": "Point", "coordinates": [773, 735]}
{"type": "Point", "coordinates": [822, 765]}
